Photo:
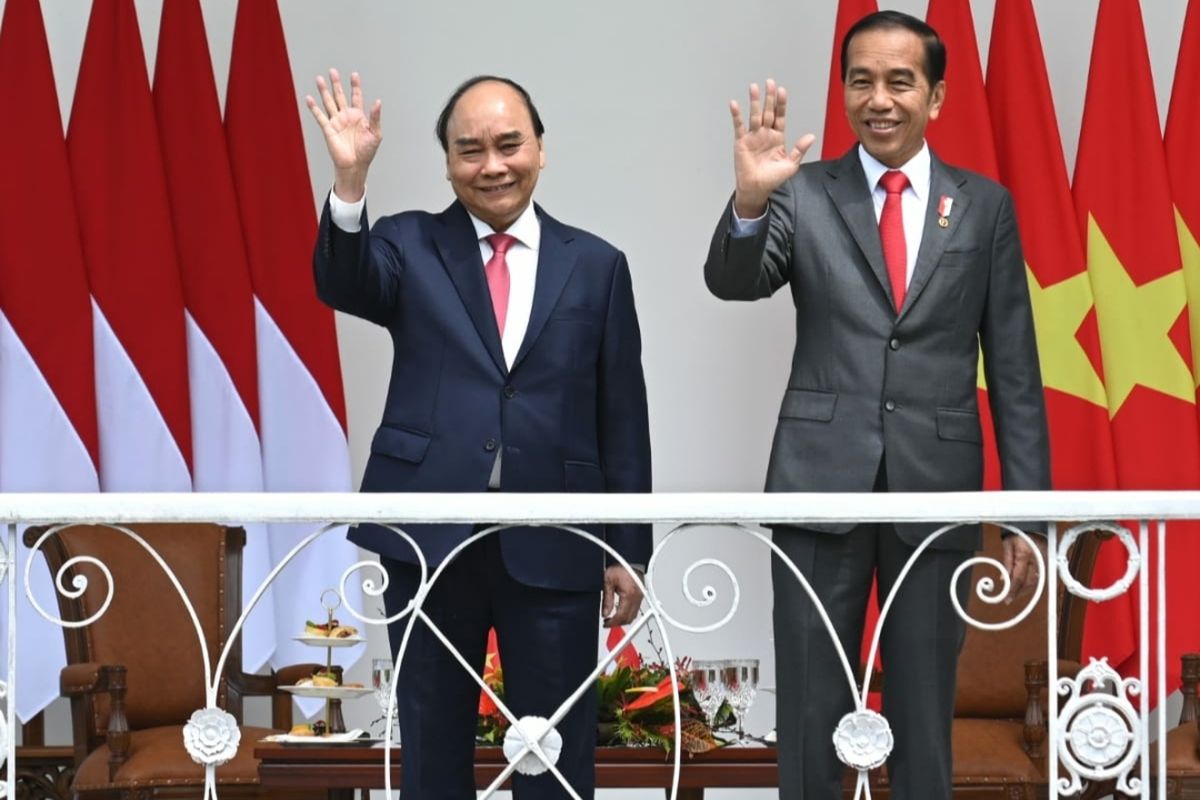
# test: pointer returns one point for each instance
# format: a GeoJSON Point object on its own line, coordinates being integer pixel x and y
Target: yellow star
{"type": "Point", "coordinates": [1058, 311]}
{"type": "Point", "coordinates": [1135, 322]}
{"type": "Point", "coordinates": [1190, 250]}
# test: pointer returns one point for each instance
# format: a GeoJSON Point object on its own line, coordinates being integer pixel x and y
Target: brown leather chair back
{"type": "Point", "coordinates": [147, 627]}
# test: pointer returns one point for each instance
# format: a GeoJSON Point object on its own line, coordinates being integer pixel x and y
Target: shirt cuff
{"type": "Point", "coordinates": [745, 228]}
{"type": "Point", "coordinates": [347, 216]}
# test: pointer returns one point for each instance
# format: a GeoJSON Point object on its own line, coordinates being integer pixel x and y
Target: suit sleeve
{"type": "Point", "coordinates": [358, 273]}
{"type": "Point", "coordinates": [753, 267]}
{"type": "Point", "coordinates": [1010, 359]}
{"type": "Point", "coordinates": [623, 424]}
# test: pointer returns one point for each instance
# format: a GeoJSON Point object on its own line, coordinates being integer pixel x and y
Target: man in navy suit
{"type": "Point", "coordinates": [517, 368]}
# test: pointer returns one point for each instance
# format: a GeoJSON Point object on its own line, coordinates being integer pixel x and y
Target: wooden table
{"type": "Point", "coordinates": [341, 770]}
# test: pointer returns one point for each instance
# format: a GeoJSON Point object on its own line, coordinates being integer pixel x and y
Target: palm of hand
{"type": "Point", "coordinates": [350, 139]}
{"type": "Point", "coordinates": [762, 160]}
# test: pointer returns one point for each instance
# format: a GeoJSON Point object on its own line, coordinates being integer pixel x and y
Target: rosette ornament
{"type": "Point", "coordinates": [211, 736]}
{"type": "Point", "coordinates": [863, 739]}
{"type": "Point", "coordinates": [539, 731]}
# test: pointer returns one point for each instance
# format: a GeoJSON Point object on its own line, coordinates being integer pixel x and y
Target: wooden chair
{"type": "Point", "coordinates": [1000, 735]}
{"type": "Point", "coordinates": [135, 675]}
{"type": "Point", "coordinates": [1183, 741]}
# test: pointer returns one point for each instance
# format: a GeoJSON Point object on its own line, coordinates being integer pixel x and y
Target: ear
{"type": "Point", "coordinates": [541, 154]}
{"type": "Point", "coordinates": [936, 99]}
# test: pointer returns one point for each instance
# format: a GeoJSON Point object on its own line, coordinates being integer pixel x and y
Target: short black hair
{"type": "Point", "coordinates": [935, 48]}
{"type": "Point", "coordinates": [443, 120]}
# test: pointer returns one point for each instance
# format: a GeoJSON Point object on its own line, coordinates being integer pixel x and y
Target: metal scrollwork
{"type": "Point", "coordinates": [1133, 562]}
{"type": "Point", "coordinates": [1098, 728]}
{"type": "Point", "coordinates": [988, 592]}
{"type": "Point", "coordinates": [708, 592]}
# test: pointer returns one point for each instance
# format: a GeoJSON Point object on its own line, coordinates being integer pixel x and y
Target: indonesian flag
{"type": "Point", "coordinates": [129, 248]}
{"type": "Point", "coordinates": [1184, 169]}
{"type": "Point", "coordinates": [1031, 163]}
{"type": "Point", "coordinates": [48, 434]}
{"type": "Point", "coordinates": [838, 136]}
{"type": "Point", "coordinates": [301, 407]}
{"type": "Point", "coordinates": [1123, 204]}
{"type": "Point", "coordinates": [222, 365]}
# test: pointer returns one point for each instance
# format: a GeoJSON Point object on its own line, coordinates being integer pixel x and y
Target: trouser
{"type": "Point", "coordinates": [548, 646]}
{"type": "Point", "coordinates": [920, 643]}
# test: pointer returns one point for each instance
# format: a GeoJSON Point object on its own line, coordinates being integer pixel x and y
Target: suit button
{"type": "Point", "coordinates": [489, 445]}
{"type": "Point", "coordinates": [510, 392]}
{"type": "Point", "coordinates": [894, 344]}
{"type": "Point", "coordinates": [890, 405]}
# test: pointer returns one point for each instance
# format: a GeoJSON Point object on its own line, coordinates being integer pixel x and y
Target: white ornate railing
{"type": "Point", "coordinates": [1095, 736]}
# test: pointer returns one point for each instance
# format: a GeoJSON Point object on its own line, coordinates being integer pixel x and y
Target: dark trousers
{"type": "Point", "coordinates": [920, 643]}
{"type": "Point", "coordinates": [548, 646]}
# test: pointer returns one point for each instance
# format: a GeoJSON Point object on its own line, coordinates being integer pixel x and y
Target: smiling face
{"type": "Point", "coordinates": [493, 156]}
{"type": "Point", "coordinates": [889, 101]}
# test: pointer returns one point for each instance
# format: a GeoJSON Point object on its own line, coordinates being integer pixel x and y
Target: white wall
{"type": "Point", "coordinates": [634, 95]}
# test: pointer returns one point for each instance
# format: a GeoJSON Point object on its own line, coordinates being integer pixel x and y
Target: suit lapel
{"type": "Point", "coordinates": [943, 182]}
{"type": "Point", "coordinates": [556, 262]}
{"type": "Point", "coordinates": [459, 249]}
{"type": "Point", "coordinates": [846, 184]}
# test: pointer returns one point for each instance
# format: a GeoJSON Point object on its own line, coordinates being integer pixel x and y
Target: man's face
{"type": "Point", "coordinates": [888, 98]}
{"type": "Point", "coordinates": [493, 157]}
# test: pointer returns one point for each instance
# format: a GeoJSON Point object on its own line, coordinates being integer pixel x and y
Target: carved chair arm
{"type": "Point", "coordinates": [1190, 712]}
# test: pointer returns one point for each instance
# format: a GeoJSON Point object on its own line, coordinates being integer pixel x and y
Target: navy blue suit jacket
{"type": "Point", "coordinates": [569, 416]}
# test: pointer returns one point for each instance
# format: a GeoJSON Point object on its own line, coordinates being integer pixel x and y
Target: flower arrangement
{"type": "Point", "coordinates": [634, 703]}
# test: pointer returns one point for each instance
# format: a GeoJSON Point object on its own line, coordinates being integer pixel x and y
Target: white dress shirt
{"type": "Point", "coordinates": [914, 201]}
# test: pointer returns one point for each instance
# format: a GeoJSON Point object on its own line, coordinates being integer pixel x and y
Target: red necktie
{"type": "Point", "coordinates": [496, 271]}
{"type": "Point", "coordinates": [891, 234]}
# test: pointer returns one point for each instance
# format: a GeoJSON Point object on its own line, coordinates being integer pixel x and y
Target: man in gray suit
{"type": "Point", "coordinates": [900, 268]}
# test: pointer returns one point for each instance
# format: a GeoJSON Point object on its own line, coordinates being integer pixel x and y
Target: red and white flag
{"type": "Point", "coordinates": [129, 249]}
{"type": "Point", "coordinates": [301, 405]}
{"type": "Point", "coordinates": [219, 300]}
{"type": "Point", "coordinates": [48, 437]}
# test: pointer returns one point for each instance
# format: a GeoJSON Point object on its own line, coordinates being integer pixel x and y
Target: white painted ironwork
{"type": "Point", "coordinates": [1098, 728]}
{"type": "Point", "coordinates": [1096, 735]}
{"type": "Point", "coordinates": [1133, 562]}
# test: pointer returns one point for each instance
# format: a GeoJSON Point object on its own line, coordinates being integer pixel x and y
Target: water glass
{"type": "Point", "coordinates": [707, 687]}
{"type": "Point", "coordinates": [740, 677]}
{"type": "Point", "coordinates": [381, 681]}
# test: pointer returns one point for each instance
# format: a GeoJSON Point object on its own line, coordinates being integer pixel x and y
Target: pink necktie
{"type": "Point", "coordinates": [496, 271]}
{"type": "Point", "coordinates": [891, 234]}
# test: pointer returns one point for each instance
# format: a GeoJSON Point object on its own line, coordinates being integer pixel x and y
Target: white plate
{"type": "Point", "coordinates": [349, 737]}
{"type": "Point", "coordinates": [328, 641]}
{"type": "Point", "coordinates": [328, 692]}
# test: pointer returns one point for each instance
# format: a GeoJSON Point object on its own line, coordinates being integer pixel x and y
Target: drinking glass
{"type": "Point", "coordinates": [381, 680]}
{"type": "Point", "coordinates": [740, 676]}
{"type": "Point", "coordinates": [707, 687]}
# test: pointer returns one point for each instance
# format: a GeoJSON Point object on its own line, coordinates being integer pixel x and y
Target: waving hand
{"type": "Point", "coordinates": [761, 160]}
{"type": "Point", "coordinates": [351, 136]}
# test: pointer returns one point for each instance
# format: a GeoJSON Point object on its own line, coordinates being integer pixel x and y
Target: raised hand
{"type": "Point", "coordinates": [761, 160]}
{"type": "Point", "coordinates": [350, 134]}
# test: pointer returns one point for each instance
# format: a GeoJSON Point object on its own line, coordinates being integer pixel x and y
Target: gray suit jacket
{"type": "Point", "coordinates": [867, 384]}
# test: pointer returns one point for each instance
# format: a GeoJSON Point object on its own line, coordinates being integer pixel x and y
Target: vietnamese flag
{"type": "Point", "coordinates": [1030, 158]}
{"type": "Point", "coordinates": [962, 137]}
{"type": "Point", "coordinates": [1183, 168]}
{"type": "Point", "coordinates": [1125, 215]}
{"type": "Point", "coordinates": [838, 137]}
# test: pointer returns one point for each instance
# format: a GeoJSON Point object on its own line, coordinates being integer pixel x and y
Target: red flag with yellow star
{"type": "Point", "coordinates": [962, 137]}
{"type": "Point", "coordinates": [1030, 158]}
{"type": "Point", "coordinates": [1124, 212]}
{"type": "Point", "coordinates": [1184, 169]}
{"type": "Point", "coordinates": [838, 137]}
